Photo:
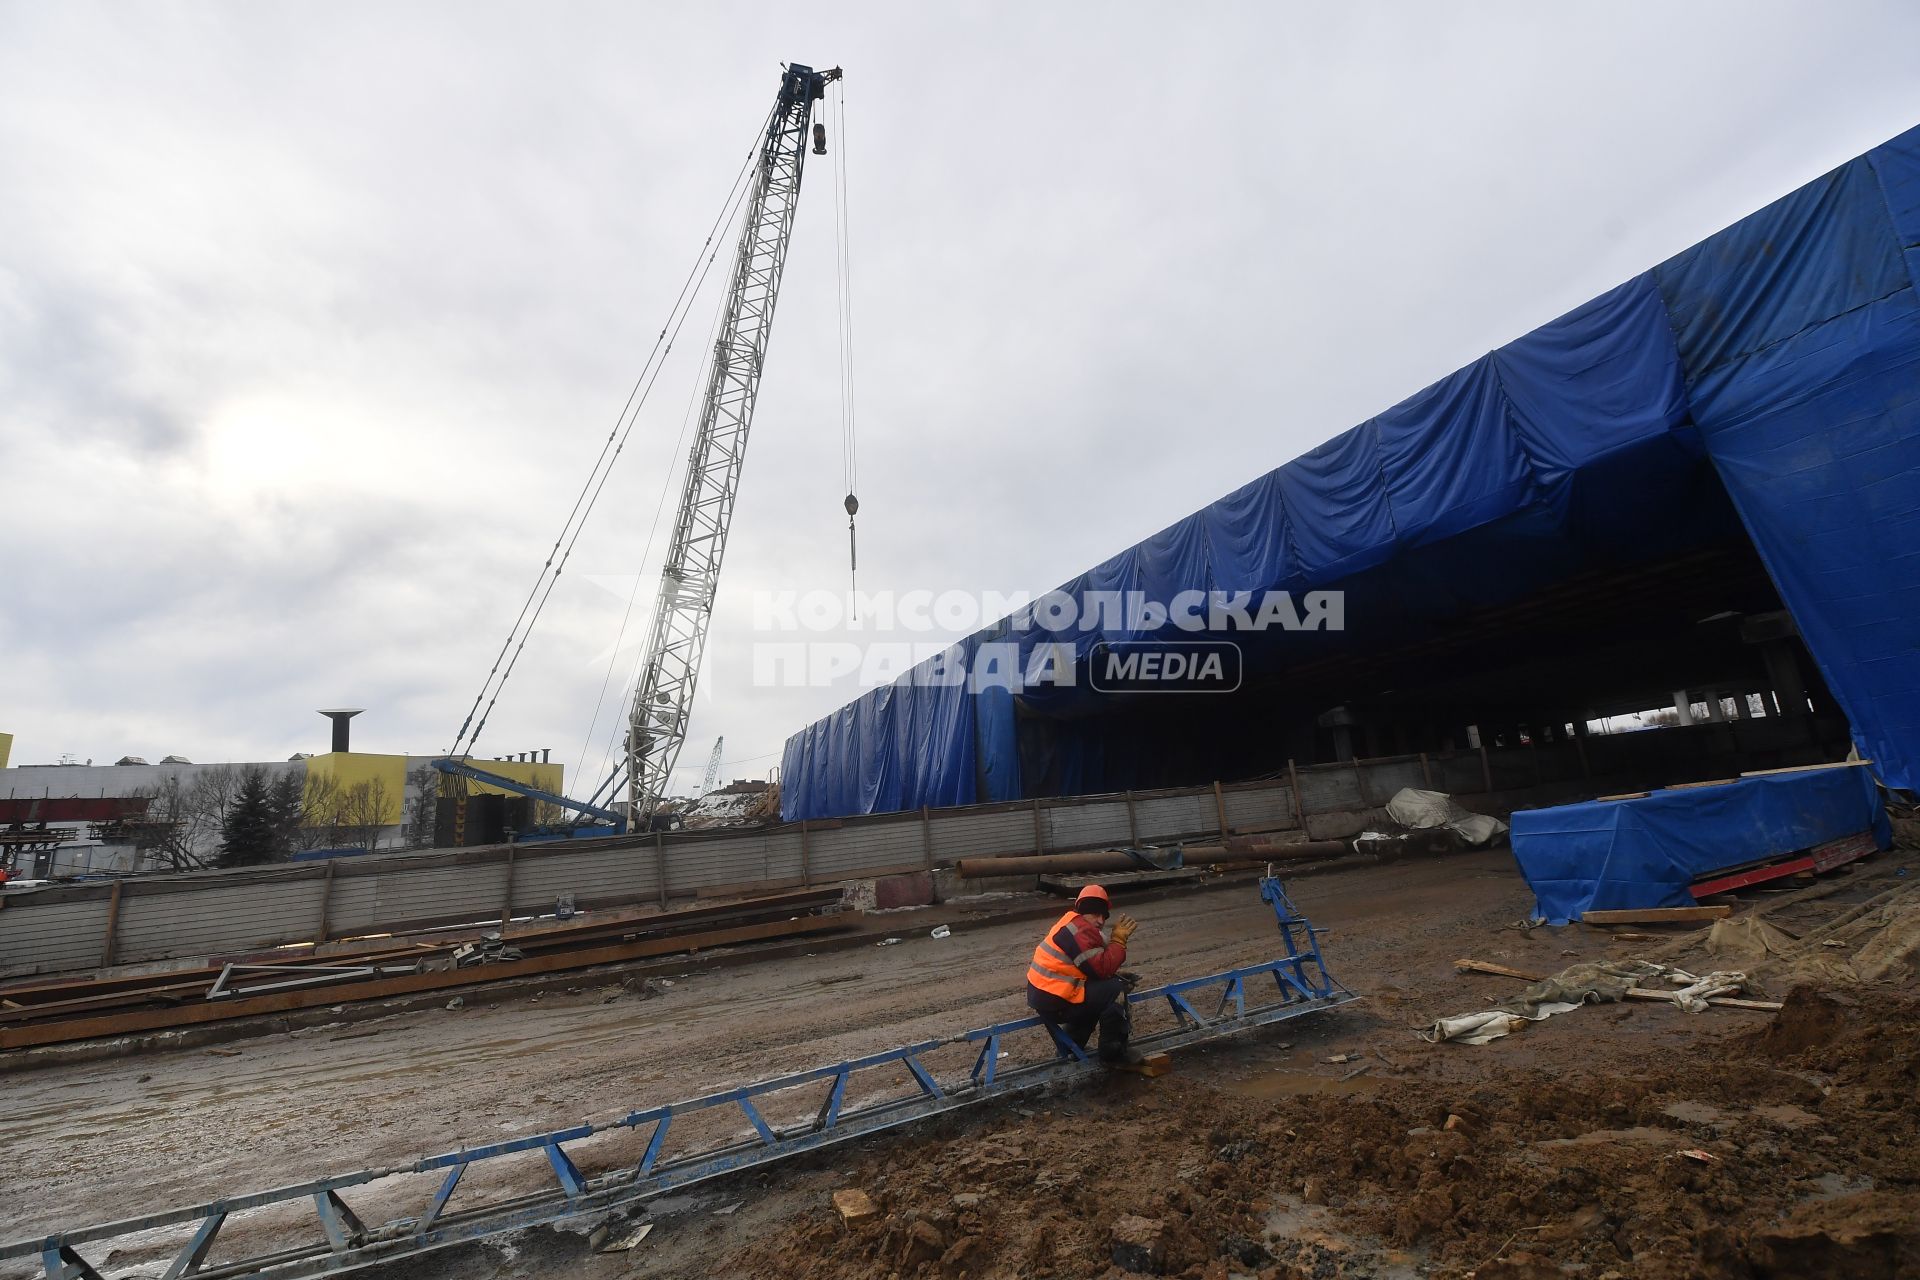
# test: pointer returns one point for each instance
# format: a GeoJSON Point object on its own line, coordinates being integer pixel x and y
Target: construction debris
{"type": "Point", "coordinates": [613, 1241]}
{"type": "Point", "coordinates": [1423, 810]}
{"type": "Point", "coordinates": [1605, 982]}
{"type": "Point", "coordinates": [490, 948]}
{"type": "Point", "coordinates": [1877, 940]}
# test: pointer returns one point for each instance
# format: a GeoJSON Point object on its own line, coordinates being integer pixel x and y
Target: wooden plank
{"type": "Point", "coordinates": [1497, 970]}
{"type": "Point", "coordinates": [1804, 768]}
{"type": "Point", "coordinates": [1154, 1064]}
{"type": "Point", "coordinates": [1293, 782]}
{"type": "Point", "coordinates": [113, 926]}
{"type": "Point", "coordinates": [326, 903]}
{"type": "Point", "coordinates": [1624, 795]}
{"type": "Point", "coordinates": [1220, 810]}
{"type": "Point", "coordinates": [1724, 1002]}
{"type": "Point", "coordinates": [1656, 915]}
{"type": "Point", "coordinates": [1711, 782]}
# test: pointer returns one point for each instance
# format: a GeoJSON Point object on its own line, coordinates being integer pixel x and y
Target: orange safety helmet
{"type": "Point", "coordinates": [1094, 893]}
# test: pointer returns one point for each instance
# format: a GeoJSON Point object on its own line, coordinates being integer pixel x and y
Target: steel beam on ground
{"type": "Point", "coordinates": [1825, 857]}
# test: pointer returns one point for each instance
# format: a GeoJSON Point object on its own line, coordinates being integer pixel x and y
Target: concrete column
{"type": "Point", "coordinates": [1683, 706]}
{"type": "Point", "coordinates": [1783, 673]}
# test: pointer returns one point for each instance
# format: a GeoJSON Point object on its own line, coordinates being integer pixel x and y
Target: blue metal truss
{"type": "Point", "coordinates": [1300, 985]}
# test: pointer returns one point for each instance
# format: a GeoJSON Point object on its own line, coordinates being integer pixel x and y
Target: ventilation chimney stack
{"type": "Point", "coordinates": [340, 716]}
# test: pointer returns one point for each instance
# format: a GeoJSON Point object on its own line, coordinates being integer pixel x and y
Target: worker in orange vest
{"type": "Point", "coordinates": [1074, 981]}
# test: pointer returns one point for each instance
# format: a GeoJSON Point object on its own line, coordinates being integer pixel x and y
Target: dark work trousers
{"type": "Point", "coordinates": [1103, 1007]}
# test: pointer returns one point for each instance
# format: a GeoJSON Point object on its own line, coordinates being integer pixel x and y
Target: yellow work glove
{"type": "Point", "coordinates": [1123, 928]}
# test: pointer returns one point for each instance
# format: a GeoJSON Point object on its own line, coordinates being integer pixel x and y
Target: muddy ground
{"type": "Point", "coordinates": [1256, 1157]}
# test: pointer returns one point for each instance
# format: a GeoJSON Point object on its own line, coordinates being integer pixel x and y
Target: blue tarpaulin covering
{"type": "Point", "coordinates": [1635, 854]}
{"type": "Point", "coordinates": [1783, 354]}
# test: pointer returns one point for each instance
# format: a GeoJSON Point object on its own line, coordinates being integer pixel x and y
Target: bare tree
{"type": "Point", "coordinates": [321, 805]}
{"type": "Point", "coordinates": [204, 805]}
{"type": "Point", "coordinates": [162, 833]}
{"type": "Point", "coordinates": [364, 813]}
{"type": "Point", "coordinates": [337, 817]}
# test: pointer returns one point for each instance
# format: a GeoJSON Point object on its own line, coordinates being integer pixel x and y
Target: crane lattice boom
{"type": "Point", "coordinates": [663, 699]}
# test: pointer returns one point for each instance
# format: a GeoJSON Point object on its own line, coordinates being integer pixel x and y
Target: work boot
{"type": "Point", "coordinates": [1125, 1056]}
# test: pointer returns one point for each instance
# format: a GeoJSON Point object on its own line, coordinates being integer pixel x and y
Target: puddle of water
{"type": "Point", "coordinates": [1788, 1117]}
{"type": "Point", "coordinates": [1289, 1084]}
{"type": "Point", "coordinates": [1833, 1185]}
{"type": "Point", "coordinates": [1311, 1226]}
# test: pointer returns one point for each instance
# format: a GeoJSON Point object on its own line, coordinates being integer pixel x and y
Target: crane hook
{"type": "Point", "coordinates": [852, 504]}
{"type": "Point", "coordinates": [819, 138]}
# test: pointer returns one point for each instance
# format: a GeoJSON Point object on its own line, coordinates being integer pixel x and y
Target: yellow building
{"type": "Point", "coordinates": [348, 770]}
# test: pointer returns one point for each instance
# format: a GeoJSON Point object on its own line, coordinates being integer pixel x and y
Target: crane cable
{"type": "Point", "coordinates": [843, 250]}
{"type": "Point", "coordinates": [610, 450]}
{"type": "Point", "coordinates": [659, 509]}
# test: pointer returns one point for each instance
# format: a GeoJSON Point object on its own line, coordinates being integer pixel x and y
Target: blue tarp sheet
{"type": "Point", "coordinates": [1783, 353]}
{"type": "Point", "coordinates": [1634, 854]}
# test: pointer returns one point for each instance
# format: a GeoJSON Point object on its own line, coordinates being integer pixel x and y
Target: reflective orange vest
{"type": "Point", "coordinates": [1051, 970]}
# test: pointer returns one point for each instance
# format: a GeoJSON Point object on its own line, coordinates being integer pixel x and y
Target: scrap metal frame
{"type": "Point", "coordinates": [1301, 985]}
{"type": "Point", "coordinates": [293, 976]}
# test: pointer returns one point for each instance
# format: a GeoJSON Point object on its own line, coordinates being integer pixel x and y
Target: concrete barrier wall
{"type": "Point", "coordinates": [214, 913]}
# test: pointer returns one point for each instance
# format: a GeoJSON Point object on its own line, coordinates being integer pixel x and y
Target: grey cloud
{"type": "Point", "coordinates": [311, 317]}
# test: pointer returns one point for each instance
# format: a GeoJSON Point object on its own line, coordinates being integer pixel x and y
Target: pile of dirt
{"type": "Point", "coordinates": [1793, 1150]}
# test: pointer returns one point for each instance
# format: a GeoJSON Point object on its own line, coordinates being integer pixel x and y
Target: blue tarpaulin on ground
{"type": "Point", "coordinates": [1610, 855]}
{"type": "Point", "coordinates": [1782, 353]}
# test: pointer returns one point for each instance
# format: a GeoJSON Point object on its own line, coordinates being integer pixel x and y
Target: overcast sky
{"type": "Point", "coordinates": [312, 316]}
